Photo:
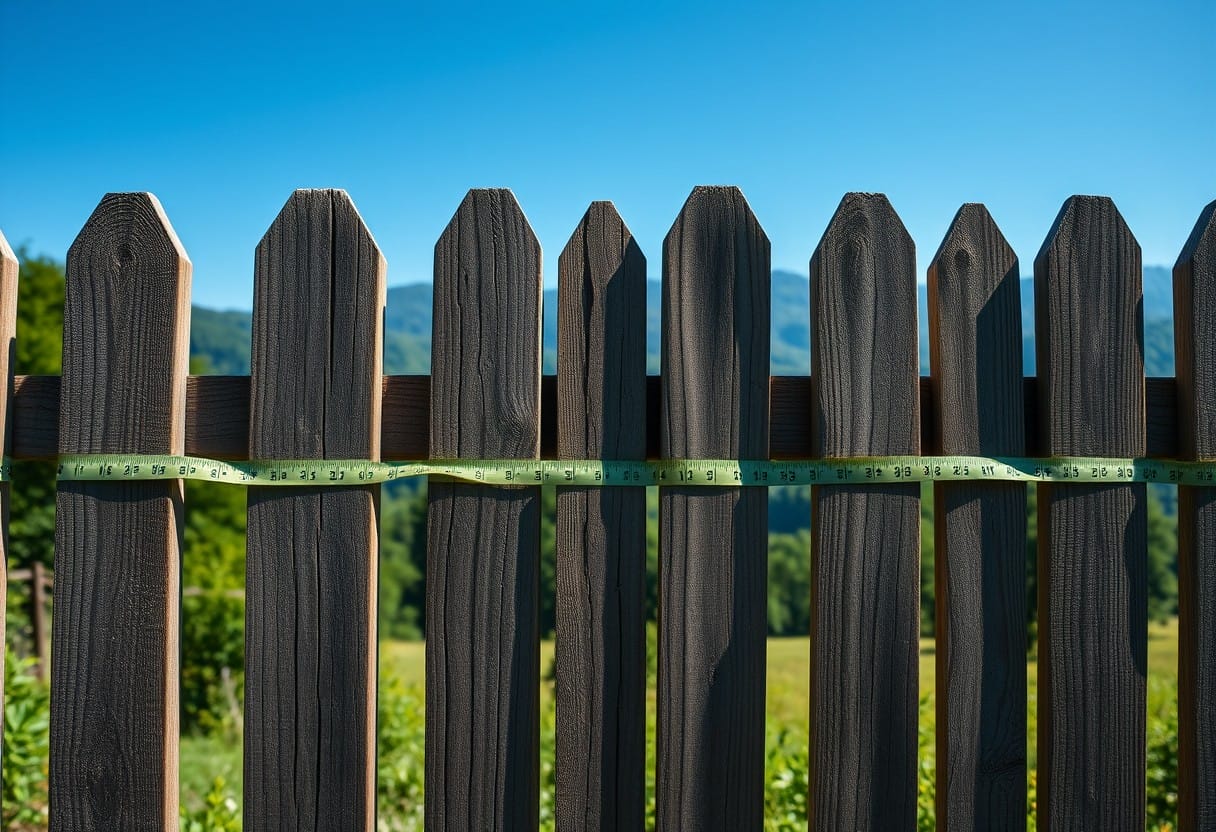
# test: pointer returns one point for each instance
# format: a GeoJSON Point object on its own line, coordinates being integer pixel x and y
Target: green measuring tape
{"type": "Point", "coordinates": [706, 472]}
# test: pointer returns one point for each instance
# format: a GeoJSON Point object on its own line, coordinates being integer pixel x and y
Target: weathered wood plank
{"type": "Point", "coordinates": [975, 349]}
{"type": "Point", "coordinates": [114, 715]}
{"type": "Point", "coordinates": [217, 417]}
{"type": "Point", "coordinates": [1195, 356]}
{"type": "Point", "coordinates": [865, 585]}
{"type": "Point", "coordinates": [601, 532]}
{"type": "Point", "coordinates": [311, 557]}
{"type": "Point", "coordinates": [713, 544]}
{"type": "Point", "coordinates": [1092, 538]}
{"type": "Point", "coordinates": [8, 331]}
{"type": "Point", "coordinates": [482, 643]}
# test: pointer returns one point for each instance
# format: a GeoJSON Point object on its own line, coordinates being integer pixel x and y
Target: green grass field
{"type": "Point", "coordinates": [788, 689]}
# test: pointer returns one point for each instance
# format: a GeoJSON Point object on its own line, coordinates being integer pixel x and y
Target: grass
{"type": "Point", "coordinates": [788, 695]}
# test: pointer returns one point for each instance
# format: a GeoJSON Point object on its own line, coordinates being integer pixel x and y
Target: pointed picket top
{"type": "Point", "coordinates": [601, 297]}
{"type": "Point", "coordinates": [319, 294]}
{"type": "Point", "coordinates": [320, 213]}
{"type": "Point", "coordinates": [717, 253]}
{"type": "Point", "coordinates": [487, 281]}
{"type": "Point", "coordinates": [7, 256]}
{"type": "Point", "coordinates": [975, 332]}
{"type": "Point", "coordinates": [124, 226]}
{"type": "Point", "coordinates": [1194, 300]}
{"type": "Point", "coordinates": [864, 329]}
{"type": "Point", "coordinates": [974, 247]}
{"type": "Point", "coordinates": [1087, 280]}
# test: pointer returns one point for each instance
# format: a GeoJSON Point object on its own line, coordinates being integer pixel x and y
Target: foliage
{"type": "Point", "coordinates": [27, 722]}
{"type": "Point", "coordinates": [219, 813]}
{"type": "Point", "coordinates": [400, 773]}
{"type": "Point", "coordinates": [789, 583]}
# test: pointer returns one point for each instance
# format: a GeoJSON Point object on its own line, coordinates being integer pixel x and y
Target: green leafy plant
{"type": "Point", "coordinates": [219, 812]}
{"type": "Point", "coordinates": [27, 723]}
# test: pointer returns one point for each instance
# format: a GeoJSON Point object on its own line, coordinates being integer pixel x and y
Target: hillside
{"type": "Point", "coordinates": [222, 337]}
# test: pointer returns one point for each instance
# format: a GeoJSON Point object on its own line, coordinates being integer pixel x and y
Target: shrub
{"type": "Point", "coordinates": [27, 723]}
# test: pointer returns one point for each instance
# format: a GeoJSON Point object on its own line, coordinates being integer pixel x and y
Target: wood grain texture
{"type": "Point", "coordinates": [8, 333]}
{"type": "Point", "coordinates": [1195, 355]}
{"type": "Point", "coordinates": [311, 559]}
{"type": "Point", "coordinates": [217, 417]}
{"type": "Point", "coordinates": [1092, 538]}
{"type": "Point", "coordinates": [713, 543]}
{"type": "Point", "coordinates": [865, 586]}
{"type": "Point", "coordinates": [975, 349]}
{"type": "Point", "coordinates": [601, 532]}
{"type": "Point", "coordinates": [114, 714]}
{"type": "Point", "coordinates": [482, 642]}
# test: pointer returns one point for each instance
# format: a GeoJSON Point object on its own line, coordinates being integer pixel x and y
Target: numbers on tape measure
{"type": "Point", "coordinates": [670, 472]}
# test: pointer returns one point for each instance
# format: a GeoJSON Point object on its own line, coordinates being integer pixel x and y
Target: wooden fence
{"type": "Point", "coordinates": [317, 391]}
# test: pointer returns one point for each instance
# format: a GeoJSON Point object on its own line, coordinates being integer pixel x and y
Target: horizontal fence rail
{"type": "Point", "coordinates": [217, 417]}
{"type": "Point", "coordinates": [317, 392]}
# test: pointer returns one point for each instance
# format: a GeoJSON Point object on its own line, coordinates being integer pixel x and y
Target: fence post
{"type": "Point", "coordinates": [713, 542]}
{"type": "Point", "coordinates": [865, 586]}
{"type": "Point", "coordinates": [1093, 628]}
{"type": "Point", "coordinates": [483, 542]}
{"type": "Point", "coordinates": [975, 334]}
{"type": "Point", "coordinates": [9, 269]}
{"type": "Point", "coordinates": [601, 532]}
{"type": "Point", "coordinates": [312, 556]}
{"type": "Point", "coordinates": [1195, 352]}
{"type": "Point", "coordinates": [114, 712]}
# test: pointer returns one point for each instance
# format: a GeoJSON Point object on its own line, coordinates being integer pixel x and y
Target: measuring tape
{"type": "Point", "coordinates": [666, 472]}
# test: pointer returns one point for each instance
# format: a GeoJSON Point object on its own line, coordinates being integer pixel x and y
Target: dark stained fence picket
{"type": "Point", "coordinates": [600, 651]}
{"type": "Point", "coordinates": [483, 542]}
{"type": "Point", "coordinates": [312, 552]}
{"type": "Point", "coordinates": [865, 583]}
{"type": "Point", "coordinates": [713, 541]}
{"type": "Point", "coordinates": [975, 333]}
{"type": "Point", "coordinates": [8, 332]}
{"type": "Point", "coordinates": [1195, 357]}
{"type": "Point", "coordinates": [1092, 627]}
{"type": "Point", "coordinates": [114, 712]}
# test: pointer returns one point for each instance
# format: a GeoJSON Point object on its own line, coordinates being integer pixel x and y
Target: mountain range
{"type": "Point", "coordinates": [222, 338]}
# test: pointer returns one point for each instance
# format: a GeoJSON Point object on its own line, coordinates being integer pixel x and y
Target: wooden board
{"type": "Point", "coordinates": [1092, 624]}
{"type": "Point", "coordinates": [114, 714]}
{"type": "Point", "coordinates": [600, 654]}
{"type": "Point", "coordinates": [1195, 354]}
{"type": "Point", "coordinates": [865, 582]}
{"type": "Point", "coordinates": [713, 543]}
{"type": "Point", "coordinates": [8, 331]}
{"type": "Point", "coordinates": [975, 349]}
{"type": "Point", "coordinates": [483, 549]}
{"type": "Point", "coordinates": [217, 417]}
{"type": "Point", "coordinates": [311, 558]}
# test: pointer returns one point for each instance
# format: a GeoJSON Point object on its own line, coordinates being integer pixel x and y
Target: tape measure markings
{"type": "Point", "coordinates": [668, 472]}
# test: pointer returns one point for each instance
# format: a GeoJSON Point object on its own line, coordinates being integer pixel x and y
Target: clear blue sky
{"type": "Point", "coordinates": [222, 109]}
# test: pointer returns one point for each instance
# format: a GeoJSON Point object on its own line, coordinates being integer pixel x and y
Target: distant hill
{"type": "Point", "coordinates": [222, 338]}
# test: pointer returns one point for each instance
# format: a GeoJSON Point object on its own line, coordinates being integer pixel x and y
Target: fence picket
{"type": "Point", "coordinates": [311, 562]}
{"type": "Point", "coordinates": [975, 333]}
{"type": "Point", "coordinates": [114, 713]}
{"type": "Point", "coordinates": [601, 532]}
{"type": "Point", "coordinates": [713, 543]}
{"type": "Point", "coordinates": [482, 644]}
{"type": "Point", "coordinates": [865, 613]}
{"type": "Point", "coordinates": [1195, 354]}
{"type": "Point", "coordinates": [1092, 538]}
{"type": "Point", "coordinates": [8, 331]}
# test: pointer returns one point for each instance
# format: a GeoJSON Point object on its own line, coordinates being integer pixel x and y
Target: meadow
{"type": "Point", "coordinates": [788, 707]}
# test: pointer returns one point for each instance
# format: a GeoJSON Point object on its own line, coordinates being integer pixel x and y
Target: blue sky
{"type": "Point", "coordinates": [221, 109]}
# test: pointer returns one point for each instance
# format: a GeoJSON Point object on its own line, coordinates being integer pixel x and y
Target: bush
{"type": "Point", "coordinates": [219, 813]}
{"type": "Point", "coordinates": [27, 744]}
